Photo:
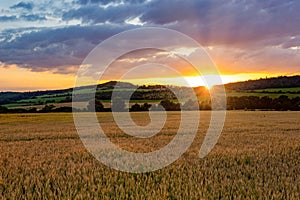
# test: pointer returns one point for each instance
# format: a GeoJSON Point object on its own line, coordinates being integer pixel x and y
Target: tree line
{"type": "Point", "coordinates": [265, 83]}
{"type": "Point", "coordinates": [282, 103]}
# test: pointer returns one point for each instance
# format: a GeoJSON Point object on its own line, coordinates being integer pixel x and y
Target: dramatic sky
{"type": "Point", "coordinates": [43, 42]}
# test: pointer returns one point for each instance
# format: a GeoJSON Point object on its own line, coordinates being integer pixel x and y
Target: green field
{"type": "Point", "coordinates": [256, 157]}
{"type": "Point", "coordinates": [272, 92]}
{"type": "Point", "coordinates": [258, 94]}
{"type": "Point", "coordinates": [279, 90]}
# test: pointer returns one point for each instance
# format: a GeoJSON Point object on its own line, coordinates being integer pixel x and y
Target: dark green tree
{"type": "Point", "coordinates": [3, 109]}
{"type": "Point", "coordinates": [145, 107]}
{"type": "Point", "coordinates": [95, 105]}
{"type": "Point", "coordinates": [170, 106]}
{"type": "Point", "coordinates": [135, 107]}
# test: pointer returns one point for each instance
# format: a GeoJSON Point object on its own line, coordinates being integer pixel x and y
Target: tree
{"type": "Point", "coordinates": [134, 108]}
{"type": "Point", "coordinates": [63, 109]}
{"type": "Point", "coordinates": [169, 105]}
{"type": "Point", "coordinates": [3, 109]}
{"type": "Point", "coordinates": [95, 105]}
{"type": "Point", "coordinates": [145, 107]}
{"type": "Point", "coordinates": [137, 107]}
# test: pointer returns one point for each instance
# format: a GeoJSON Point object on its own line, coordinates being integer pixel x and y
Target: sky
{"type": "Point", "coordinates": [43, 43]}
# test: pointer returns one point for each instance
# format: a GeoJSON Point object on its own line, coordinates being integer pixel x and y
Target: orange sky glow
{"type": "Point", "coordinates": [14, 78]}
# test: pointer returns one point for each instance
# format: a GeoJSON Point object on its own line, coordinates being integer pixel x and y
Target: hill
{"type": "Point", "coordinates": [53, 96]}
{"type": "Point", "coordinates": [265, 83]}
{"type": "Point", "coordinates": [269, 87]}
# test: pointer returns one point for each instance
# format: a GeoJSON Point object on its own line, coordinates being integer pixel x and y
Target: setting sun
{"type": "Point", "coordinates": [209, 80]}
{"type": "Point", "coordinates": [206, 80]}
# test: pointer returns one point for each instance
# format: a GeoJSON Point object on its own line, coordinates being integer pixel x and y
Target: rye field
{"type": "Point", "coordinates": [256, 157]}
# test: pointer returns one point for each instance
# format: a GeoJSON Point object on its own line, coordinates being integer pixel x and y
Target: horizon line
{"type": "Point", "coordinates": [152, 84]}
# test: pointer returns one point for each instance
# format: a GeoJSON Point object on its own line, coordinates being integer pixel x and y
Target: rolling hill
{"type": "Point", "coordinates": [271, 87]}
{"type": "Point", "coordinates": [266, 83]}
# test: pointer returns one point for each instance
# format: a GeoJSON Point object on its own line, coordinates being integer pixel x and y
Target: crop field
{"type": "Point", "coordinates": [256, 157]}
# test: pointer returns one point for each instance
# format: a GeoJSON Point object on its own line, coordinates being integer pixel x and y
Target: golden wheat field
{"type": "Point", "coordinates": [256, 157]}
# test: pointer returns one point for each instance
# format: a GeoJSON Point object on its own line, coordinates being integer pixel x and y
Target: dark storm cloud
{"type": "Point", "coordinates": [164, 12]}
{"type": "Point", "coordinates": [53, 49]}
{"type": "Point", "coordinates": [24, 5]}
{"type": "Point", "coordinates": [213, 22]}
{"type": "Point", "coordinates": [245, 26]}
{"type": "Point", "coordinates": [217, 22]}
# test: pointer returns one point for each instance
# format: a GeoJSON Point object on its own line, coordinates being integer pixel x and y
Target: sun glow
{"type": "Point", "coordinates": [209, 80]}
{"type": "Point", "coordinates": [14, 78]}
{"type": "Point", "coordinates": [206, 80]}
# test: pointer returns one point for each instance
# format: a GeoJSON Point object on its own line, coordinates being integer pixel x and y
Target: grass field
{"type": "Point", "coordinates": [261, 94]}
{"type": "Point", "coordinates": [279, 90]}
{"type": "Point", "coordinates": [257, 157]}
